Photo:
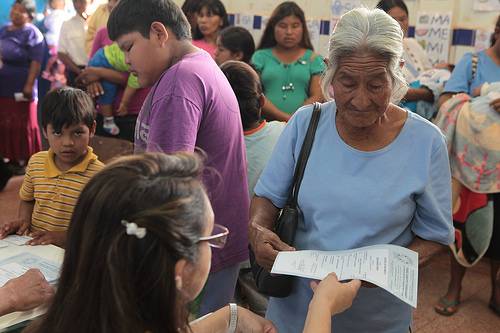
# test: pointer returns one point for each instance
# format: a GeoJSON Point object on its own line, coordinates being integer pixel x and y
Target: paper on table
{"type": "Point", "coordinates": [393, 268]}
{"type": "Point", "coordinates": [17, 265]}
{"type": "Point", "coordinates": [17, 240]}
{"type": "Point", "coordinates": [11, 271]}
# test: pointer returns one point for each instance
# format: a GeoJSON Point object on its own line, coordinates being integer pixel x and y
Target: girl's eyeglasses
{"type": "Point", "coordinates": [218, 237]}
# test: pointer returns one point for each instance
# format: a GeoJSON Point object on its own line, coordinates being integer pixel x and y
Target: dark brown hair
{"type": "Point", "coordinates": [387, 5]}
{"type": "Point", "coordinates": [247, 88]}
{"type": "Point", "coordinates": [137, 16]}
{"type": "Point", "coordinates": [238, 39]}
{"type": "Point", "coordinates": [29, 5]}
{"type": "Point", "coordinates": [214, 7]}
{"type": "Point", "coordinates": [496, 31]}
{"type": "Point", "coordinates": [115, 282]}
{"type": "Point", "coordinates": [285, 9]}
{"type": "Point", "coordinates": [65, 107]}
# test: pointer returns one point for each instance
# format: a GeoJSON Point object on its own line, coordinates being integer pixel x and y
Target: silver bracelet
{"type": "Point", "coordinates": [233, 308]}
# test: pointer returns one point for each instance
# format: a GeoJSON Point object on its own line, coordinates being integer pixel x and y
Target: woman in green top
{"type": "Point", "coordinates": [288, 68]}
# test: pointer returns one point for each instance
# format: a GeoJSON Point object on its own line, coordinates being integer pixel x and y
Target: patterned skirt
{"type": "Point", "coordinates": [19, 131]}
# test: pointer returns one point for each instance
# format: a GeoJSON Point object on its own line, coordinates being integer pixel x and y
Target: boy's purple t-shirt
{"type": "Point", "coordinates": [193, 106]}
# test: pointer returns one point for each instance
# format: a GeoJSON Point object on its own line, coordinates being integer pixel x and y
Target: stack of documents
{"type": "Point", "coordinates": [17, 265]}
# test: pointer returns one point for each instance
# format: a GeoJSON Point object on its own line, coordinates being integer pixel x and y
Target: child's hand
{"type": "Point", "coordinates": [95, 89]}
{"type": "Point", "coordinates": [19, 227]}
{"type": "Point", "coordinates": [88, 75]}
{"type": "Point", "coordinates": [122, 110]}
{"type": "Point", "coordinates": [57, 238]}
{"type": "Point", "coordinates": [333, 294]}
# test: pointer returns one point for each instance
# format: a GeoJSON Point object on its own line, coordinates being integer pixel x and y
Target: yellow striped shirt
{"type": "Point", "coordinates": [55, 192]}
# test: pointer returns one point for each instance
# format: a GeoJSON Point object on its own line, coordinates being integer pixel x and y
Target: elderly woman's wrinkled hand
{"type": "Point", "coordinates": [29, 291]}
{"type": "Point", "coordinates": [266, 245]}
{"type": "Point", "coordinates": [95, 89]}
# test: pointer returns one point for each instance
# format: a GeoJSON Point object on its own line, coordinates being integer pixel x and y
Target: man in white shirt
{"type": "Point", "coordinates": [72, 41]}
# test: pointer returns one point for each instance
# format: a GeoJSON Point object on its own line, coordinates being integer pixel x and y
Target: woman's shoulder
{"type": "Point", "coordinates": [423, 127]}
{"type": "Point", "coordinates": [262, 58]}
{"type": "Point", "coordinates": [302, 115]}
{"type": "Point", "coordinates": [34, 32]}
{"type": "Point", "coordinates": [466, 58]}
{"type": "Point", "coordinates": [263, 53]}
{"type": "Point", "coordinates": [311, 56]}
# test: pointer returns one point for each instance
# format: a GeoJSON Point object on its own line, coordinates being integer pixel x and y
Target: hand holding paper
{"type": "Point", "coordinates": [390, 267]}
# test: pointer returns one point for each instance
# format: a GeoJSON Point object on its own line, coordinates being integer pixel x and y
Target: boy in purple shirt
{"type": "Point", "coordinates": [191, 105]}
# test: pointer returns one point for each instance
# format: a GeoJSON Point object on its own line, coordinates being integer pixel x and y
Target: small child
{"type": "Point", "coordinates": [260, 136]}
{"type": "Point", "coordinates": [234, 43]}
{"type": "Point", "coordinates": [260, 139]}
{"type": "Point", "coordinates": [190, 105]}
{"type": "Point", "coordinates": [71, 49]}
{"type": "Point", "coordinates": [54, 19]}
{"type": "Point", "coordinates": [55, 178]}
{"type": "Point", "coordinates": [113, 58]}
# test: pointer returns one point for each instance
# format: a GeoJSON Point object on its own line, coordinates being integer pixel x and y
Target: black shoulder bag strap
{"type": "Point", "coordinates": [304, 155]}
{"type": "Point", "coordinates": [474, 61]}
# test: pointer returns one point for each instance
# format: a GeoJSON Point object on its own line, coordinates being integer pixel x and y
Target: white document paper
{"type": "Point", "coordinates": [19, 97]}
{"type": "Point", "coordinates": [17, 265]}
{"type": "Point", "coordinates": [3, 243]}
{"type": "Point", "coordinates": [433, 32]}
{"type": "Point", "coordinates": [486, 5]}
{"type": "Point", "coordinates": [393, 268]}
{"type": "Point", "coordinates": [340, 7]}
{"type": "Point", "coordinates": [17, 240]}
{"type": "Point", "coordinates": [11, 271]}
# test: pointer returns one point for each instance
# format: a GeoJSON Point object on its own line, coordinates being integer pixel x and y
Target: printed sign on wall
{"type": "Point", "coordinates": [245, 21]}
{"type": "Point", "coordinates": [487, 5]}
{"type": "Point", "coordinates": [314, 31]}
{"type": "Point", "coordinates": [433, 32]}
{"type": "Point", "coordinates": [339, 8]}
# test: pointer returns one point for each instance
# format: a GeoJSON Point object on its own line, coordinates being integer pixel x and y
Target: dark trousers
{"type": "Point", "coordinates": [126, 125]}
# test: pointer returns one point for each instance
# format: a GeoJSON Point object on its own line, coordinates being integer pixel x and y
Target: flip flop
{"type": "Point", "coordinates": [446, 307]}
{"type": "Point", "coordinates": [494, 307]}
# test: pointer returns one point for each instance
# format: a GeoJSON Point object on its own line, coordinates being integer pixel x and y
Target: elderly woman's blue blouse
{"type": "Point", "coordinates": [352, 198]}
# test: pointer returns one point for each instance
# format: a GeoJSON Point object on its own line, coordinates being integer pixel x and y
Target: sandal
{"type": "Point", "coordinates": [446, 307]}
{"type": "Point", "coordinates": [494, 307]}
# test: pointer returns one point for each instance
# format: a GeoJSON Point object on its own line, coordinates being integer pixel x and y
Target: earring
{"type": "Point", "coordinates": [178, 282]}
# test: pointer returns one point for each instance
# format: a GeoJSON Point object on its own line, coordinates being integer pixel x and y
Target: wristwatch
{"type": "Point", "coordinates": [233, 321]}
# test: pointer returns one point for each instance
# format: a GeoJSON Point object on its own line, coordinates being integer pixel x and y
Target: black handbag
{"type": "Point", "coordinates": [286, 223]}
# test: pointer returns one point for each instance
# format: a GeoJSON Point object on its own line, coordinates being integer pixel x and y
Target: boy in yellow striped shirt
{"type": "Point", "coordinates": [55, 178]}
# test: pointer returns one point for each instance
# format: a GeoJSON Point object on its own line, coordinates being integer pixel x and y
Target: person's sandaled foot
{"type": "Point", "coordinates": [447, 307]}
{"type": "Point", "coordinates": [494, 307]}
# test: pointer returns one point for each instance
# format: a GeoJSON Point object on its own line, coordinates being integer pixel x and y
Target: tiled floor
{"type": "Point", "coordinates": [473, 316]}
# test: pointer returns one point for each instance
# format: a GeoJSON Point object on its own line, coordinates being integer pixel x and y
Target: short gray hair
{"type": "Point", "coordinates": [374, 31]}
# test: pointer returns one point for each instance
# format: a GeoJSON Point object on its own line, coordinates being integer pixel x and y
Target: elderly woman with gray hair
{"type": "Point", "coordinates": [367, 181]}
